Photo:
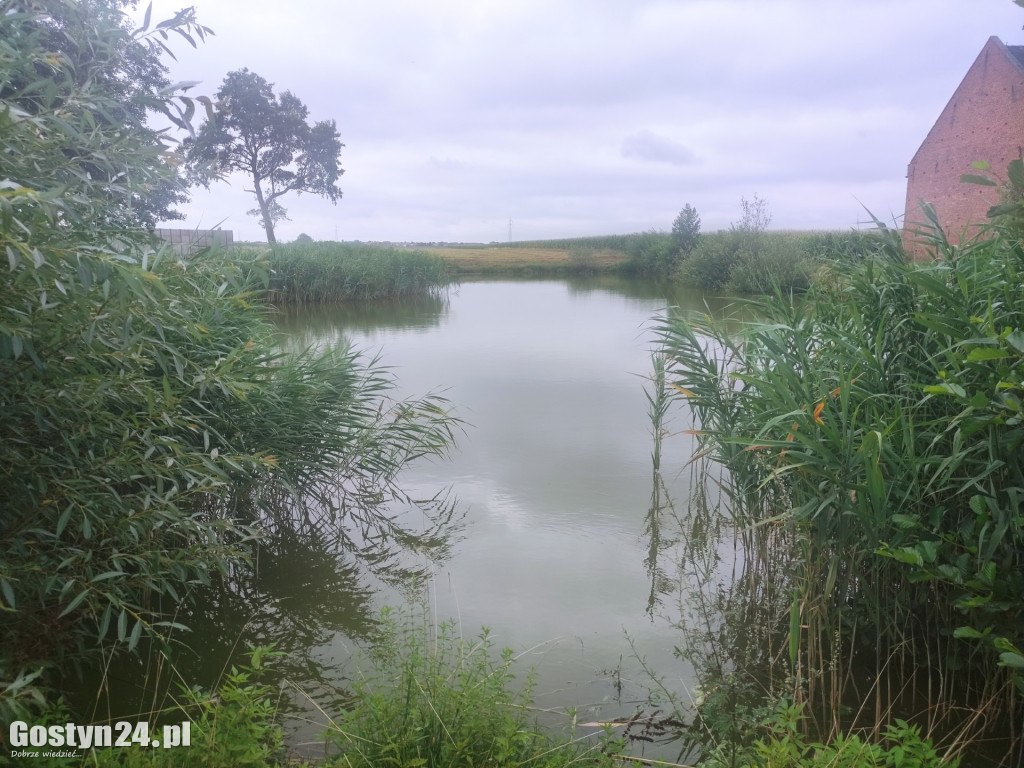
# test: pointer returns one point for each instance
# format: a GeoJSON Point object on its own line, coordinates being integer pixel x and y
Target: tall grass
{"type": "Point", "coordinates": [873, 441]}
{"type": "Point", "coordinates": [741, 262]}
{"type": "Point", "coordinates": [313, 273]}
{"type": "Point", "coordinates": [430, 697]}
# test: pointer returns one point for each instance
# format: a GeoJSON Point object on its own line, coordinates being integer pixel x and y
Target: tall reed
{"type": "Point", "coordinates": [309, 273]}
{"type": "Point", "coordinates": [873, 429]}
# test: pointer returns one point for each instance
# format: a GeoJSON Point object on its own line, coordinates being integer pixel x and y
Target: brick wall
{"type": "Point", "coordinates": [984, 120]}
{"type": "Point", "coordinates": [185, 241]}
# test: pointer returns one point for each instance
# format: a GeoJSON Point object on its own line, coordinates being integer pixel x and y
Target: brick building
{"type": "Point", "coordinates": [984, 120]}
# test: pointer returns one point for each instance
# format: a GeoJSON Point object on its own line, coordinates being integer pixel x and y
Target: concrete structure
{"type": "Point", "coordinates": [983, 121]}
{"type": "Point", "coordinates": [186, 241]}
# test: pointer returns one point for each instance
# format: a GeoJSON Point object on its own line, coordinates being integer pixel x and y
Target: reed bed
{"type": "Point", "coordinates": [872, 441]}
{"type": "Point", "coordinates": [325, 272]}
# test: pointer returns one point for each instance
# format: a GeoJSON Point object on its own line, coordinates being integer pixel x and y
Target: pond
{"type": "Point", "coordinates": [551, 481]}
{"type": "Point", "coordinates": [547, 535]}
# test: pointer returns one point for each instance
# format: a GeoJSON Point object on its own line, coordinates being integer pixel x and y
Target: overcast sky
{"type": "Point", "coordinates": [588, 117]}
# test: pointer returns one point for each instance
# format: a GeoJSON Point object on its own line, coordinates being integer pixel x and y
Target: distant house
{"type": "Point", "coordinates": [983, 121]}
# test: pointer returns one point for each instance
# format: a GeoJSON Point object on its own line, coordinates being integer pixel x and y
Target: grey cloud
{"type": "Point", "coordinates": [594, 116]}
{"type": "Point", "coordinates": [649, 146]}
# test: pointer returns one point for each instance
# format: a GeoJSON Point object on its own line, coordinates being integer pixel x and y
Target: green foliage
{"type": "Point", "coordinates": [777, 265]}
{"type": "Point", "coordinates": [1008, 215]}
{"type": "Point", "coordinates": [686, 229]}
{"type": "Point", "coordinates": [876, 426]}
{"type": "Point", "coordinates": [433, 698]}
{"type": "Point", "coordinates": [148, 420]}
{"type": "Point", "coordinates": [653, 254]}
{"type": "Point", "coordinates": [312, 273]}
{"type": "Point", "coordinates": [582, 260]}
{"type": "Point", "coordinates": [740, 262]}
{"type": "Point", "coordinates": [74, 74]}
{"type": "Point", "coordinates": [597, 242]}
{"type": "Point", "coordinates": [710, 265]}
{"type": "Point", "coordinates": [784, 745]}
{"type": "Point", "coordinates": [235, 726]}
{"type": "Point", "coordinates": [267, 138]}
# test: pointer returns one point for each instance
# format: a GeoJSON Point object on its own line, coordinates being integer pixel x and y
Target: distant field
{"type": "Point", "coordinates": [525, 260]}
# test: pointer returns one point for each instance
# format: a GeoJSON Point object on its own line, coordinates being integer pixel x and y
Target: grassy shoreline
{"type": "Point", "coordinates": [725, 261]}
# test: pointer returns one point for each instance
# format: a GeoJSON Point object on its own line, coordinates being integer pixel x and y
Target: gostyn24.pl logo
{"type": "Point", "coordinates": [120, 734]}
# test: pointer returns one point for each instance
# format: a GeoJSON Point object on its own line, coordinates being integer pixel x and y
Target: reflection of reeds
{"type": "Point", "coordinates": [867, 465]}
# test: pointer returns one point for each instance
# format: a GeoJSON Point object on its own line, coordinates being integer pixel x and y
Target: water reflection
{"type": "Point", "coordinates": [304, 324]}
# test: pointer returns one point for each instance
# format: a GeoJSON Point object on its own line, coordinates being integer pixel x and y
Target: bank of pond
{"type": "Point", "coordinates": [203, 452]}
{"type": "Point", "coordinates": [727, 263]}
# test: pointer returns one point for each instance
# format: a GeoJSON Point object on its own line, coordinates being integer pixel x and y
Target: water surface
{"type": "Point", "coordinates": [553, 475]}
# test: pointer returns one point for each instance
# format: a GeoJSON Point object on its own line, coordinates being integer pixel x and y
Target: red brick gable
{"type": "Point", "coordinates": [984, 120]}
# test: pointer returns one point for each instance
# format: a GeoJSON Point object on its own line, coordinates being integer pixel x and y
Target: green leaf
{"type": "Point", "coordinates": [971, 178]}
{"type": "Point", "coordinates": [8, 591]}
{"type": "Point", "coordinates": [1016, 340]}
{"type": "Point", "coordinates": [905, 522]}
{"type": "Point", "coordinates": [794, 631]}
{"type": "Point", "coordinates": [74, 603]}
{"type": "Point", "coordinates": [946, 388]}
{"type": "Point", "coordinates": [987, 353]}
{"type": "Point", "coordinates": [928, 550]}
{"type": "Point", "coordinates": [136, 634]}
{"type": "Point", "coordinates": [1011, 659]}
{"type": "Point", "coordinates": [1015, 173]}
{"type": "Point", "coordinates": [971, 632]}
{"type": "Point", "coordinates": [981, 165]}
{"type": "Point", "coordinates": [62, 521]}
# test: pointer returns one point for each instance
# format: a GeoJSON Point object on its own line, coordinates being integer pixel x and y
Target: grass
{"type": "Point", "coordinates": [431, 698]}
{"type": "Point", "coordinates": [421, 696]}
{"type": "Point", "coordinates": [525, 260]}
{"type": "Point", "coordinates": [723, 262]}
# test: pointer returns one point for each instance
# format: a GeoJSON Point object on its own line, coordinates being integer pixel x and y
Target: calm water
{"type": "Point", "coordinates": [550, 489]}
{"type": "Point", "coordinates": [552, 477]}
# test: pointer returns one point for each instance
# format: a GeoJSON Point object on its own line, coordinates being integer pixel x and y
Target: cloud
{"type": "Point", "coordinates": [653, 148]}
{"type": "Point", "coordinates": [584, 117]}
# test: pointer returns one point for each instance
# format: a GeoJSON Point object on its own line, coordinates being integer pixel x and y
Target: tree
{"type": "Point", "coordinates": [47, 68]}
{"type": "Point", "coordinates": [267, 138]}
{"type": "Point", "coordinates": [79, 168]}
{"type": "Point", "coordinates": [686, 229]}
{"type": "Point", "coordinates": [756, 216]}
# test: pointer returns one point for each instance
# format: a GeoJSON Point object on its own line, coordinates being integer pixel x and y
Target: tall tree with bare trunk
{"type": "Point", "coordinates": [268, 138]}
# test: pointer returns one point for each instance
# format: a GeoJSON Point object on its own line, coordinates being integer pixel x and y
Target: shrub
{"type": "Point", "coordinates": [710, 265]}
{"type": "Point", "coordinates": [652, 253]}
{"type": "Point", "coordinates": [148, 418]}
{"type": "Point", "coordinates": [779, 265]}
